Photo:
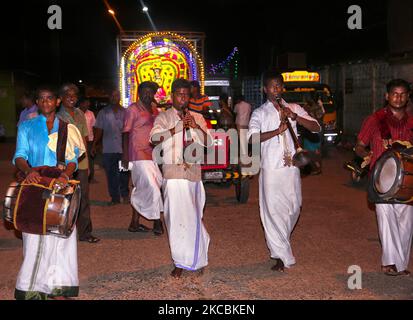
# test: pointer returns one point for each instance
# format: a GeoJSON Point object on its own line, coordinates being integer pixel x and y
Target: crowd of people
{"type": "Point", "coordinates": [161, 151]}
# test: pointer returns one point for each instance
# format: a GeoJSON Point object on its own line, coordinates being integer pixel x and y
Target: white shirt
{"type": "Point", "coordinates": [267, 118]}
{"type": "Point", "coordinates": [173, 155]}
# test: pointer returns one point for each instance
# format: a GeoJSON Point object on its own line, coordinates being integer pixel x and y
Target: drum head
{"type": "Point", "coordinates": [386, 175]}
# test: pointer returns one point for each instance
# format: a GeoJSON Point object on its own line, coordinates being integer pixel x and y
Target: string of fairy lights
{"type": "Point", "coordinates": [224, 67]}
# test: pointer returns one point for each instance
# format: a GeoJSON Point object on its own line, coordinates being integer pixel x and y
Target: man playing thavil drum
{"type": "Point", "coordinates": [49, 266]}
{"type": "Point", "coordinates": [379, 131]}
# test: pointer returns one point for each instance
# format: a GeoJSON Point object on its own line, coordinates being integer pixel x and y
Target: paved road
{"type": "Point", "coordinates": [336, 230]}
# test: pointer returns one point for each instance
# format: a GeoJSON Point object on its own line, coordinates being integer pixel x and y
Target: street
{"type": "Point", "coordinates": [336, 230]}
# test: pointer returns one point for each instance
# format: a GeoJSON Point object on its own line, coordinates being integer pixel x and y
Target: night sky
{"type": "Point", "coordinates": [85, 47]}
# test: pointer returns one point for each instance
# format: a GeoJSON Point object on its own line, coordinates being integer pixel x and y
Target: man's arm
{"type": "Point", "coordinates": [125, 149]}
{"type": "Point", "coordinates": [98, 134]}
{"type": "Point", "coordinates": [190, 122]}
{"type": "Point", "coordinates": [33, 176]}
{"type": "Point", "coordinates": [361, 149]}
{"type": "Point", "coordinates": [164, 135]}
{"type": "Point", "coordinates": [271, 134]}
{"type": "Point", "coordinates": [364, 137]}
{"type": "Point", "coordinates": [206, 104]}
{"type": "Point", "coordinates": [160, 133]}
{"type": "Point", "coordinates": [311, 125]}
{"type": "Point", "coordinates": [255, 129]}
{"type": "Point", "coordinates": [84, 132]}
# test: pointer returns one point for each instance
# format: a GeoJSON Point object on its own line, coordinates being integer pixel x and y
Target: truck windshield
{"type": "Point", "coordinates": [214, 91]}
{"type": "Point", "coordinates": [299, 96]}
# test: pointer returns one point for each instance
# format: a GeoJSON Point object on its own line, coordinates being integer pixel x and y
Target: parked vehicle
{"type": "Point", "coordinates": [220, 170]}
{"type": "Point", "coordinates": [300, 85]}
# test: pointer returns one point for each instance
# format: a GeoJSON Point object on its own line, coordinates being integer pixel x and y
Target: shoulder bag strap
{"type": "Point", "coordinates": [61, 144]}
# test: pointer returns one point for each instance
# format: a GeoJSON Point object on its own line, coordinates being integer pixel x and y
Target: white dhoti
{"type": "Point", "coordinates": [49, 267]}
{"type": "Point", "coordinates": [184, 202]}
{"type": "Point", "coordinates": [280, 202]}
{"type": "Point", "coordinates": [146, 195]}
{"type": "Point", "coordinates": [395, 223]}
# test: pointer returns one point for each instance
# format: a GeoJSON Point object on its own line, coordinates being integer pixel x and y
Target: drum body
{"type": "Point", "coordinates": [392, 177]}
{"type": "Point", "coordinates": [60, 209]}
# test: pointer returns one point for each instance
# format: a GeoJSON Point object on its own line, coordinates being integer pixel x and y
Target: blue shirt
{"type": "Point", "coordinates": [27, 114]}
{"type": "Point", "coordinates": [32, 140]}
{"type": "Point", "coordinates": [112, 125]}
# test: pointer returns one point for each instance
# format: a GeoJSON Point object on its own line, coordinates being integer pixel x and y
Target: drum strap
{"type": "Point", "coordinates": [61, 145]}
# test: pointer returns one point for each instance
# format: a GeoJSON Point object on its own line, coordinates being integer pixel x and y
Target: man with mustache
{"type": "Point", "coordinates": [49, 268]}
{"type": "Point", "coordinates": [146, 198]}
{"type": "Point", "coordinates": [184, 195]}
{"type": "Point", "coordinates": [379, 130]}
{"type": "Point", "coordinates": [69, 94]}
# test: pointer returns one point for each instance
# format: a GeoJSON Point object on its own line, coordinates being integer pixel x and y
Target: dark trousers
{"type": "Point", "coordinates": [91, 161]}
{"type": "Point", "coordinates": [117, 181]}
{"type": "Point", "coordinates": [84, 223]}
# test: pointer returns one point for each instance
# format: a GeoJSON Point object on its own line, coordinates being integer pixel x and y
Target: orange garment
{"type": "Point", "coordinates": [200, 104]}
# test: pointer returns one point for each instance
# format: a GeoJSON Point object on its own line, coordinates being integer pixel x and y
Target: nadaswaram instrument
{"type": "Point", "coordinates": [301, 157]}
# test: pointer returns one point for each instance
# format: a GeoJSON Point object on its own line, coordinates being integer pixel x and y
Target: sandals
{"type": "Point", "coordinates": [140, 228]}
{"type": "Point", "coordinates": [391, 270]}
{"type": "Point", "coordinates": [157, 228]}
{"type": "Point", "coordinates": [90, 239]}
{"type": "Point", "coordinates": [176, 272]}
{"type": "Point", "coordinates": [279, 266]}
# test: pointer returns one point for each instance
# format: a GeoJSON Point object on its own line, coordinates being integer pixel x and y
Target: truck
{"type": "Point", "coordinates": [300, 85]}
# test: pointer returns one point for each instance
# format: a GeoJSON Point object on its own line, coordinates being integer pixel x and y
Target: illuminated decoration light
{"type": "Point", "coordinates": [304, 89]}
{"type": "Point", "coordinates": [301, 75]}
{"type": "Point", "coordinates": [224, 66]}
{"type": "Point", "coordinates": [217, 83]}
{"type": "Point", "coordinates": [161, 57]}
{"type": "Point", "coordinates": [122, 84]}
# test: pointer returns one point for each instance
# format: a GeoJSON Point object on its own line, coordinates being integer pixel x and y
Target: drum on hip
{"type": "Point", "coordinates": [42, 210]}
{"type": "Point", "coordinates": [392, 177]}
